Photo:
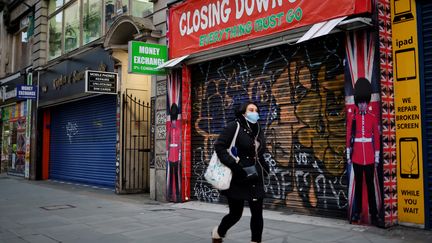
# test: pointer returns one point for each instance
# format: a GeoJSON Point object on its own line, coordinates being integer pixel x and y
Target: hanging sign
{"type": "Point", "coordinates": [26, 92]}
{"type": "Point", "coordinates": [408, 113]}
{"type": "Point", "coordinates": [100, 82]}
{"type": "Point", "coordinates": [144, 58]}
{"type": "Point", "coordinates": [198, 25]}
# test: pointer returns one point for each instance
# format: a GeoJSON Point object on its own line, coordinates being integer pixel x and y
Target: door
{"type": "Point", "coordinates": [136, 143]}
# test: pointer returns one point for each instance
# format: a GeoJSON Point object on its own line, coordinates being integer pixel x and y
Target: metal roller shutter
{"type": "Point", "coordinates": [83, 141]}
{"type": "Point", "coordinates": [426, 29]}
{"type": "Point", "coordinates": [300, 91]}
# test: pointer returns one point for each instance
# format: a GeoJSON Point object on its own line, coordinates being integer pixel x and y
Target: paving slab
{"type": "Point", "coordinates": [39, 238]}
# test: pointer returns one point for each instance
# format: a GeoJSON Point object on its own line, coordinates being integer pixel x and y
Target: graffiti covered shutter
{"type": "Point", "coordinates": [426, 13]}
{"type": "Point", "coordinates": [83, 141]}
{"type": "Point", "coordinates": [300, 93]}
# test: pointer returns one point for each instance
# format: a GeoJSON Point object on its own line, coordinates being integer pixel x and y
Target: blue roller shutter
{"type": "Point", "coordinates": [83, 141]}
{"type": "Point", "coordinates": [426, 31]}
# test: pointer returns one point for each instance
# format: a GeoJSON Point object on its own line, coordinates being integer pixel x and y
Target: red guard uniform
{"type": "Point", "coordinates": [174, 142]}
{"type": "Point", "coordinates": [364, 153]}
{"type": "Point", "coordinates": [174, 165]}
{"type": "Point", "coordinates": [366, 145]}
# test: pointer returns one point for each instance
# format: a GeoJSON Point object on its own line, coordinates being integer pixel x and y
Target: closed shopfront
{"type": "Point", "coordinates": [300, 92]}
{"type": "Point", "coordinates": [14, 130]}
{"type": "Point", "coordinates": [83, 141]}
{"type": "Point", "coordinates": [80, 129]}
{"type": "Point", "coordinates": [425, 10]}
{"type": "Point", "coordinates": [302, 72]}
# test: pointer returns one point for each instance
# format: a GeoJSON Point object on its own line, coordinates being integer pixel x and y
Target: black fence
{"type": "Point", "coordinates": [136, 144]}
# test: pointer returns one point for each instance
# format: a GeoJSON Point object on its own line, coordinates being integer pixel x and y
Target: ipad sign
{"type": "Point", "coordinates": [406, 67]}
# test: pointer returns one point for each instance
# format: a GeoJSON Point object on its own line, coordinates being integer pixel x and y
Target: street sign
{"type": "Point", "coordinates": [26, 92]}
{"type": "Point", "coordinates": [100, 82]}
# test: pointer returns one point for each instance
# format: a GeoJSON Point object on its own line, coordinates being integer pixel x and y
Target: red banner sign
{"type": "Point", "coordinates": [198, 25]}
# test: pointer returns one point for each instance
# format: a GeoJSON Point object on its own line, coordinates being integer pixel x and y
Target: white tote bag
{"type": "Point", "coordinates": [218, 174]}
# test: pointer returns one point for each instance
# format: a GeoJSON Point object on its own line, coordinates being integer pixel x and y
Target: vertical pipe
{"type": "Point", "coordinates": [148, 154]}
{"type": "Point", "coordinates": [140, 174]}
{"type": "Point", "coordinates": [123, 169]}
{"type": "Point", "coordinates": [130, 139]}
{"type": "Point", "coordinates": [134, 145]}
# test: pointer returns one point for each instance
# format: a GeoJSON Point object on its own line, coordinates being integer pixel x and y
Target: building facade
{"type": "Point", "coordinates": [102, 137]}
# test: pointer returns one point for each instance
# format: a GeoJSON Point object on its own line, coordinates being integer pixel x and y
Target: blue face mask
{"type": "Point", "coordinates": [252, 117]}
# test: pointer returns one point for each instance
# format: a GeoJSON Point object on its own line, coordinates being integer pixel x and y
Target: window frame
{"type": "Point", "coordinates": [104, 25]}
{"type": "Point", "coordinates": [17, 38]}
{"type": "Point", "coordinates": [67, 4]}
{"type": "Point", "coordinates": [129, 12]}
{"type": "Point", "coordinates": [80, 25]}
{"type": "Point", "coordinates": [53, 15]}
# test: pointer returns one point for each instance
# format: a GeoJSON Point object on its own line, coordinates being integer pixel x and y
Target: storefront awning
{"type": "Point", "coordinates": [321, 29]}
{"type": "Point", "coordinates": [287, 37]}
{"type": "Point", "coordinates": [173, 63]}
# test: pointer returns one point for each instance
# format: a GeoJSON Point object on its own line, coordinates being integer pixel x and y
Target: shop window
{"type": "Point", "coordinates": [141, 8]}
{"type": "Point", "coordinates": [13, 147]}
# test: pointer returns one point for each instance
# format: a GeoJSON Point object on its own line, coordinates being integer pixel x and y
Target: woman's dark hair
{"type": "Point", "coordinates": [241, 109]}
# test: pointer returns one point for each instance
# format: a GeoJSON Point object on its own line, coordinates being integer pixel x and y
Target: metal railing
{"type": "Point", "coordinates": [136, 144]}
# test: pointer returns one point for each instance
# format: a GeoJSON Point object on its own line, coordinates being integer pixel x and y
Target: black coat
{"type": "Point", "coordinates": [241, 187]}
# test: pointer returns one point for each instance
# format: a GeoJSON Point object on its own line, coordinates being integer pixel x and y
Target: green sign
{"type": "Point", "coordinates": [144, 58]}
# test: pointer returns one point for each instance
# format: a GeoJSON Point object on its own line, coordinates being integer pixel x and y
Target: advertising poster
{"type": "Point", "coordinates": [408, 113]}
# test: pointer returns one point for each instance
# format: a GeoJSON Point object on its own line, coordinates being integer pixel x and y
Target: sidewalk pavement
{"type": "Point", "coordinates": [47, 211]}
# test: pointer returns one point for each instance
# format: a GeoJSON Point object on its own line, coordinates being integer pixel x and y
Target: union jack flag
{"type": "Point", "coordinates": [360, 49]}
{"type": "Point", "coordinates": [174, 87]}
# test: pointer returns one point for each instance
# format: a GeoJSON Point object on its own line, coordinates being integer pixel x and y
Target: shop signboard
{"type": "Point", "coordinates": [100, 82]}
{"type": "Point", "coordinates": [65, 81]}
{"type": "Point", "coordinates": [199, 25]}
{"type": "Point", "coordinates": [5, 95]}
{"type": "Point", "coordinates": [408, 113]}
{"type": "Point", "coordinates": [144, 58]}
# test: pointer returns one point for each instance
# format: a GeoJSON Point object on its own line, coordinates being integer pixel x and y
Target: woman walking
{"type": "Point", "coordinates": [247, 182]}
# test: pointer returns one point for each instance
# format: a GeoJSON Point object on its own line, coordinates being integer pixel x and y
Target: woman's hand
{"type": "Point", "coordinates": [237, 170]}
